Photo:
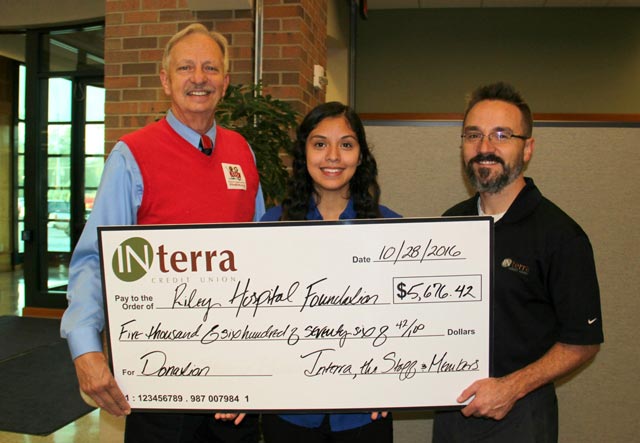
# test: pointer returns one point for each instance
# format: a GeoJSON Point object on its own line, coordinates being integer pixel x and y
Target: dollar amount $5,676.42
{"type": "Point", "coordinates": [427, 289]}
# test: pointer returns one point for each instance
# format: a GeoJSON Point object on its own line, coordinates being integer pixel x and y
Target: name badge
{"type": "Point", "coordinates": [234, 176]}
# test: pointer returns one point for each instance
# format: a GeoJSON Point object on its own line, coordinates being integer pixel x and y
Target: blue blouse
{"type": "Point", "coordinates": [349, 213]}
{"type": "Point", "coordinates": [338, 422]}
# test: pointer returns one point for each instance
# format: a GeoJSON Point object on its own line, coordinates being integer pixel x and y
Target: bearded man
{"type": "Point", "coordinates": [547, 316]}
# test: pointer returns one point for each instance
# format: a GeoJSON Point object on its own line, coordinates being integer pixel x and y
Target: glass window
{"type": "Point", "coordinates": [20, 208]}
{"type": "Point", "coordinates": [19, 195]}
{"type": "Point", "coordinates": [22, 78]}
{"type": "Point", "coordinates": [59, 139]}
{"type": "Point", "coordinates": [59, 167]}
{"type": "Point", "coordinates": [62, 57]}
{"type": "Point", "coordinates": [94, 139]}
{"type": "Point", "coordinates": [21, 153]}
{"type": "Point", "coordinates": [94, 145]}
{"type": "Point", "coordinates": [70, 75]}
{"type": "Point", "coordinates": [21, 211]}
{"type": "Point", "coordinates": [93, 171]}
{"type": "Point", "coordinates": [95, 104]}
{"type": "Point", "coordinates": [59, 172]}
{"type": "Point", "coordinates": [59, 100]}
{"type": "Point", "coordinates": [73, 50]}
{"type": "Point", "coordinates": [58, 220]}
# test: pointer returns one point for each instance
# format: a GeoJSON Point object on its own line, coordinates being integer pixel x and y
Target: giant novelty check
{"type": "Point", "coordinates": [358, 315]}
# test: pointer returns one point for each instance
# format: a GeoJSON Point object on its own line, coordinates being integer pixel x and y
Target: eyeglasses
{"type": "Point", "coordinates": [495, 137]}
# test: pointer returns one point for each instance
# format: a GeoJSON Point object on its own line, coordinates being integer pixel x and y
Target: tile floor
{"type": "Point", "coordinates": [95, 427]}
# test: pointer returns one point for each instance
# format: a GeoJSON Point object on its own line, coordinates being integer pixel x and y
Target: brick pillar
{"type": "Point", "coordinates": [295, 39]}
{"type": "Point", "coordinates": [136, 32]}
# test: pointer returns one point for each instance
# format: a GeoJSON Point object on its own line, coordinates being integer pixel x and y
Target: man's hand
{"type": "Point", "coordinates": [227, 416]}
{"type": "Point", "coordinates": [494, 398]}
{"type": "Point", "coordinates": [97, 382]}
{"type": "Point", "coordinates": [375, 415]}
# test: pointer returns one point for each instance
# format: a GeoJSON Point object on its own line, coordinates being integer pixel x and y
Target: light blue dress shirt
{"type": "Point", "coordinates": [117, 202]}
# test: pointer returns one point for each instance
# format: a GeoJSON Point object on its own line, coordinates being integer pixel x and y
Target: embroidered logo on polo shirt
{"type": "Point", "coordinates": [234, 176]}
{"type": "Point", "coordinates": [511, 265]}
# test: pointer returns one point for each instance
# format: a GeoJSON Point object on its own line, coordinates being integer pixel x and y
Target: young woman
{"type": "Point", "coordinates": [334, 178]}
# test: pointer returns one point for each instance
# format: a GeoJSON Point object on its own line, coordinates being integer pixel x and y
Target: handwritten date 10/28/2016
{"type": "Point", "coordinates": [429, 250]}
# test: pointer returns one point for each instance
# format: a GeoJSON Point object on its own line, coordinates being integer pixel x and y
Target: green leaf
{"type": "Point", "coordinates": [268, 124]}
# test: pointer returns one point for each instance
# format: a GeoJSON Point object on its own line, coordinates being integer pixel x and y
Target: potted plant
{"type": "Point", "coordinates": [267, 124]}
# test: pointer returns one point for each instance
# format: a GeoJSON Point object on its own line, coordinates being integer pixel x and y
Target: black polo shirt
{"type": "Point", "coordinates": [545, 283]}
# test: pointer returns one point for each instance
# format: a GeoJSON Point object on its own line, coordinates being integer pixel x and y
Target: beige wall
{"type": "Point", "coordinates": [44, 12]}
{"type": "Point", "coordinates": [338, 51]}
{"type": "Point", "coordinates": [565, 60]}
{"type": "Point", "coordinates": [588, 172]}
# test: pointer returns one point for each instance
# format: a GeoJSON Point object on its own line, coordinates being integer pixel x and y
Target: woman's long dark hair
{"type": "Point", "coordinates": [363, 187]}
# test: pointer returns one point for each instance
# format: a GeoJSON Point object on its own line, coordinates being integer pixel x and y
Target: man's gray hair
{"type": "Point", "coordinates": [197, 28]}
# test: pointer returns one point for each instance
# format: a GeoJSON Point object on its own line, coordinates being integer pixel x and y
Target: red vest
{"type": "Point", "coordinates": [182, 185]}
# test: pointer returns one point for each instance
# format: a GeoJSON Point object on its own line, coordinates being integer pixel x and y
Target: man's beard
{"type": "Point", "coordinates": [483, 181]}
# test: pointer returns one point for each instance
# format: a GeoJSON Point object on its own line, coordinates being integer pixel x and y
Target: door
{"type": "Point", "coordinates": [75, 158]}
{"type": "Point", "coordinates": [63, 155]}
